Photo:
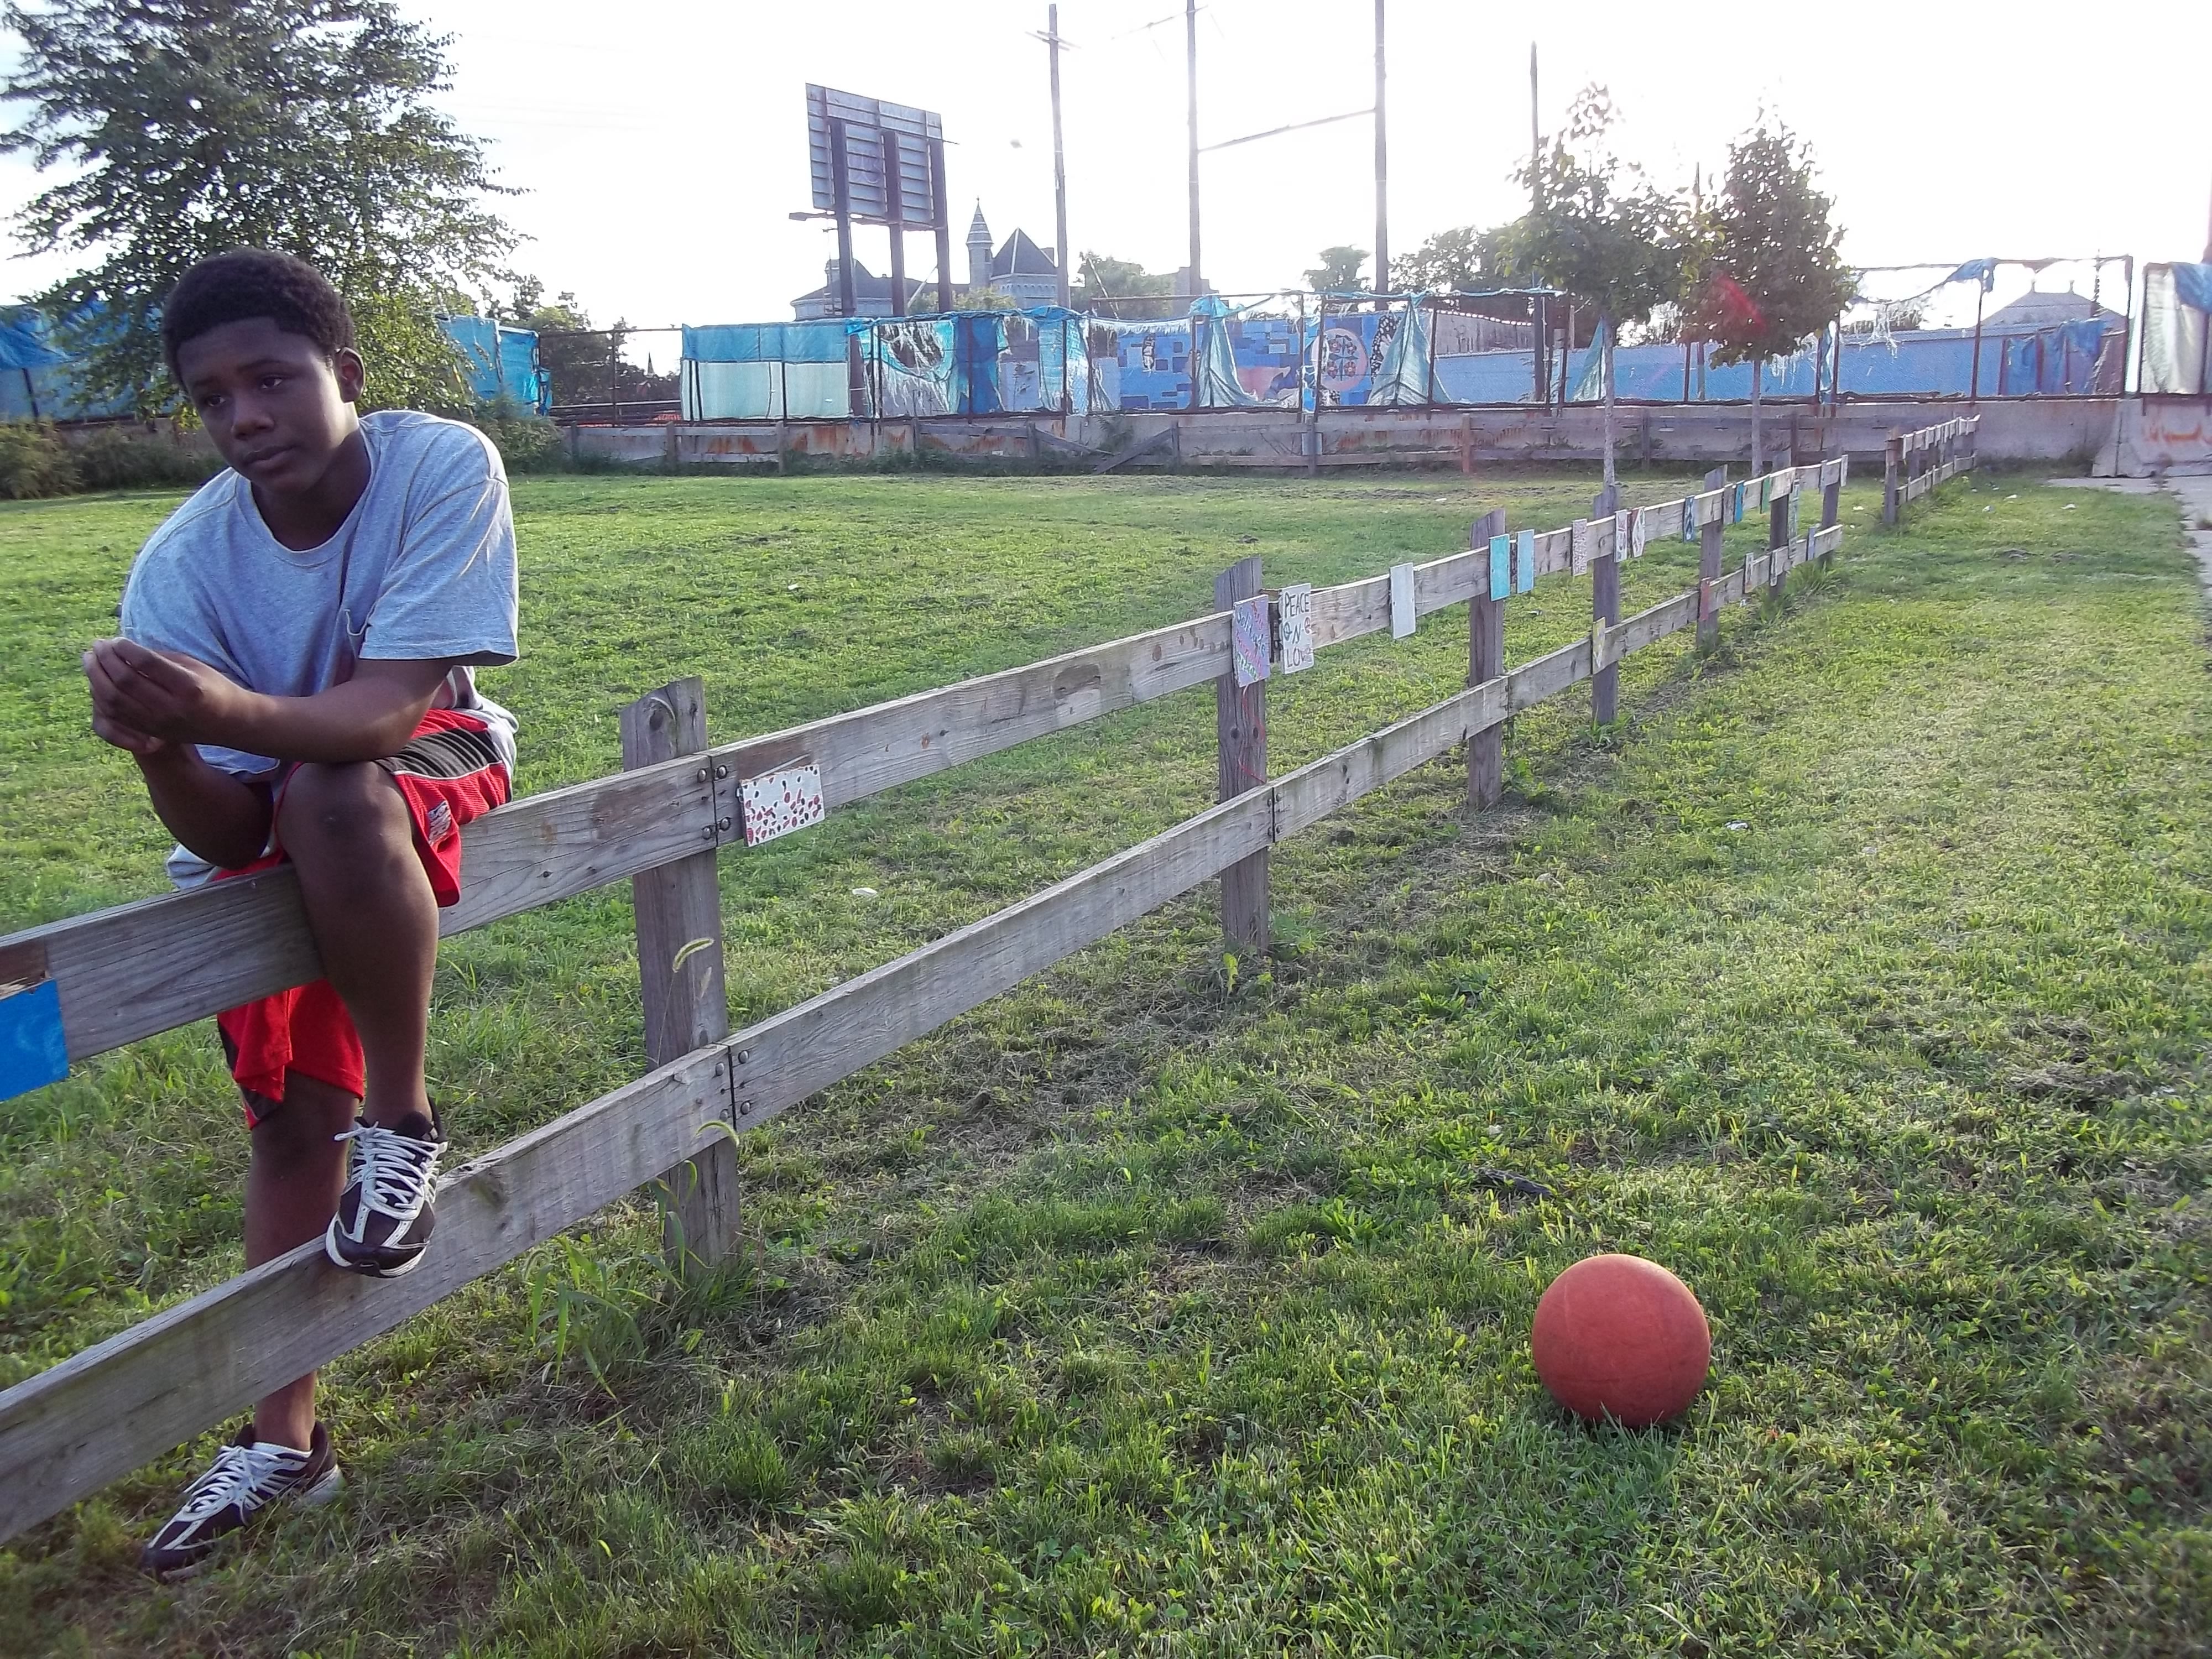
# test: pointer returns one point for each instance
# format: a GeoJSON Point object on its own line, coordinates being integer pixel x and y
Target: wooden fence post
{"type": "Point", "coordinates": [1605, 607]}
{"type": "Point", "coordinates": [1778, 542]}
{"type": "Point", "coordinates": [1241, 734]}
{"type": "Point", "coordinates": [1831, 494]}
{"type": "Point", "coordinates": [1485, 660]}
{"type": "Point", "coordinates": [1893, 457]}
{"type": "Point", "coordinates": [1709, 570]}
{"type": "Point", "coordinates": [679, 964]}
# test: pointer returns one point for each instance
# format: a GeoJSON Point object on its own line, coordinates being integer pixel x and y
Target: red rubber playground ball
{"type": "Point", "coordinates": [1618, 1336]}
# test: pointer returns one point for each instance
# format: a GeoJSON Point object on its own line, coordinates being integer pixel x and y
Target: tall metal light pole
{"type": "Point", "coordinates": [1381, 172]}
{"type": "Point", "coordinates": [1061, 254]}
{"type": "Point", "coordinates": [1190, 51]}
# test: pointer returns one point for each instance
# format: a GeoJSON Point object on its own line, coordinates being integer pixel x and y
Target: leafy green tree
{"type": "Point", "coordinates": [1107, 287]}
{"type": "Point", "coordinates": [1776, 274]}
{"type": "Point", "coordinates": [1338, 272]}
{"type": "Point", "coordinates": [193, 126]}
{"type": "Point", "coordinates": [1462, 259]}
{"type": "Point", "coordinates": [1604, 233]}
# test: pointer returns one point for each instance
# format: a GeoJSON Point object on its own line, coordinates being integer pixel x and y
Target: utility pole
{"type": "Point", "coordinates": [1536, 140]}
{"type": "Point", "coordinates": [1381, 172]}
{"type": "Point", "coordinates": [1543, 311]}
{"type": "Point", "coordinates": [1190, 51]}
{"type": "Point", "coordinates": [1061, 254]}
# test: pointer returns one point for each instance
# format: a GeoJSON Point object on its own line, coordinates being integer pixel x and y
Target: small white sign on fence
{"type": "Point", "coordinates": [1578, 546]}
{"type": "Point", "coordinates": [1294, 605]}
{"type": "Point", "coordinates": [777, 803]}
{"type": "Point", "coordinates": [1639, 530]}
{"type": "Point", "coordinates": [1401, 601]}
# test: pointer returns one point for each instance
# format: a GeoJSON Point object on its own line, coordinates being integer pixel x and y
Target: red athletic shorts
{"type": "Point", "coordinates": [448, 772]}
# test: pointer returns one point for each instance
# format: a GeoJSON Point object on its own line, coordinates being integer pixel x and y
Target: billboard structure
{"type": "Point", "coordinates": [880, 164]}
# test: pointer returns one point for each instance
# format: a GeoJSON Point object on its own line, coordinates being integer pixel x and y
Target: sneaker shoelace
{"type": "Point", "coordinates": [238, 1473]}
{"type": "Point", "coordinates": [392, 1169]}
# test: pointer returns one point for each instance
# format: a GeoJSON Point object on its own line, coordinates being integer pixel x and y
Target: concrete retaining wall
{"type": "Point", "coordinates": [2072, 431]}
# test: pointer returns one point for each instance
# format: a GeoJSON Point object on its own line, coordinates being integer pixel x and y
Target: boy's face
{"type": "Point", "coordinates": [279, 409]}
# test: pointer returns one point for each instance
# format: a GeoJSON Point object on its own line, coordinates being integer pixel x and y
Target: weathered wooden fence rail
{"type": "Point", "coordinates": [1914, 463]}
{"type": "Point", "coordinates": [142, 968]}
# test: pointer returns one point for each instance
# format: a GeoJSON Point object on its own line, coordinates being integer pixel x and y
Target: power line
{"type": "Point", "coordinates": [1295, 126]}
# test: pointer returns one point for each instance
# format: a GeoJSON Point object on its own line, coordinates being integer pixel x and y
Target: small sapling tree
{"type": "Point", "coordinates": [1603, 233]}
{"type": "Point", "coordinates": [1776, 275]}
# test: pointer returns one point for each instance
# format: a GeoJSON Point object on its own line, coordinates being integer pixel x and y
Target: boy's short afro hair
{"type": "Point", "coordinates": [251, 282]}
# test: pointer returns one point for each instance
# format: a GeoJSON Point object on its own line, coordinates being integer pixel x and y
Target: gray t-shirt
{"type": "Point", "coordinates": [424, 567]}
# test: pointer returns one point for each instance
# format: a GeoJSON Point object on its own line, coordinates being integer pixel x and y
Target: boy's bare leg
{"type": "Point", "coordinates": [373, 917]}
{"type": "Point", "coordinates": [291, 1189]}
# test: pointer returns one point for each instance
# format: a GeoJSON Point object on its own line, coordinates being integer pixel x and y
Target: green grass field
{"type": "Point", "coordinates": [1859, 974]}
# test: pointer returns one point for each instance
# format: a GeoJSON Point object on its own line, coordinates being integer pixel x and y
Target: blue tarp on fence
{"type": "Point", "coordinates": [38, 376]}
{"type": "Point", "coordinates": [797, 370]}
{"type": "Point", "coordinates": [501, 363]}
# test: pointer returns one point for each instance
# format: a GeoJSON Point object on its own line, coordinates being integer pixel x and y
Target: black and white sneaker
{"type": "Point", "coordinates": [246, 1477]}
{"type": "Point", "coordinates": [385, 1216]}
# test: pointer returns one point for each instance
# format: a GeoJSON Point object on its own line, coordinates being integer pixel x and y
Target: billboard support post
{"type": "Point", "coordinates": [942, 223]}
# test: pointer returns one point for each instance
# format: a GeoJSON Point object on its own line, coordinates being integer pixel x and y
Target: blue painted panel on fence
{"type": "Point", "coordinates": [33, 1051]}
{"type": "Point", "coordinates": [1501, 566]}
{"type": "Point", "coordinates": [1527, 574]}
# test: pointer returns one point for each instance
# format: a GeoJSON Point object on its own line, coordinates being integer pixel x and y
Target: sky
{"type": "Point", "coordinates": [659, 148]}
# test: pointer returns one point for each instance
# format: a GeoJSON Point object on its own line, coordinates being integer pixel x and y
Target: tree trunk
{"type": "Point", "coordinates": [1605, 324]}
{"type": "Point", "coordinates": [1757, 367]}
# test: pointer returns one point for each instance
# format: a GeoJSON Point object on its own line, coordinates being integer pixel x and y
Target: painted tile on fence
{"type": "Point", "coordinates": [1639, 531]}
{"type": "Point", "coordinates": [1248, 630]}
{"type": "Point", "coordinates": [777, 803]}
{"type": "Point", "coordinates": [1294, 605]}
{"type": "Point", "coordinates": [1524, 563]}
{"type": "Point", "coordinates": [1401, 600]}
{"type": "Point", "coordinates": [1579, 546]}
{"type": "Point", "coordinates": [1501, 566]}
{"type": "Point", "coordinates": [32, 1050]}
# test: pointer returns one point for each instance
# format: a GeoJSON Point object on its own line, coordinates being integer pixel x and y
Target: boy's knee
{"type": "Point", "coordinates": [349, 808]}
{"type": "Point", "coordinates": [294, 1138]}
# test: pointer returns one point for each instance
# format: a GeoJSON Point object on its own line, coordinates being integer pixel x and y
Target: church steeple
{"type": "Point", "coordinates": [978, 250]}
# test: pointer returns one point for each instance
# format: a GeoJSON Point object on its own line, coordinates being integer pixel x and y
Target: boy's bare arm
{"type": "Point", "coordinates": [159, 706]}
{"type": "Point", "coordinates": [162, 695]}
{"type": "Point", "coordinates": [224, 819]}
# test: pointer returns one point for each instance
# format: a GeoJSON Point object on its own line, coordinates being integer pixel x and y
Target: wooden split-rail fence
{"type": "Point", "coordinates": [126, 973]}
{"type": "Point", "coordinates": [1914, 463]}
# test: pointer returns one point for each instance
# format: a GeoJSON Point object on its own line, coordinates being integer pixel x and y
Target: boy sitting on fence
{"type": "Point", "coordinates": [294, 682]}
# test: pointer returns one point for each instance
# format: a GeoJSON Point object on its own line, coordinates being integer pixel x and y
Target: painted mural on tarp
{"type": "Point", "coordinates": [2068, 359]}
{"type": "Point", "coordinates": [1043, 365]}
{"type": "Point", "coordinates": [1363, 358]}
